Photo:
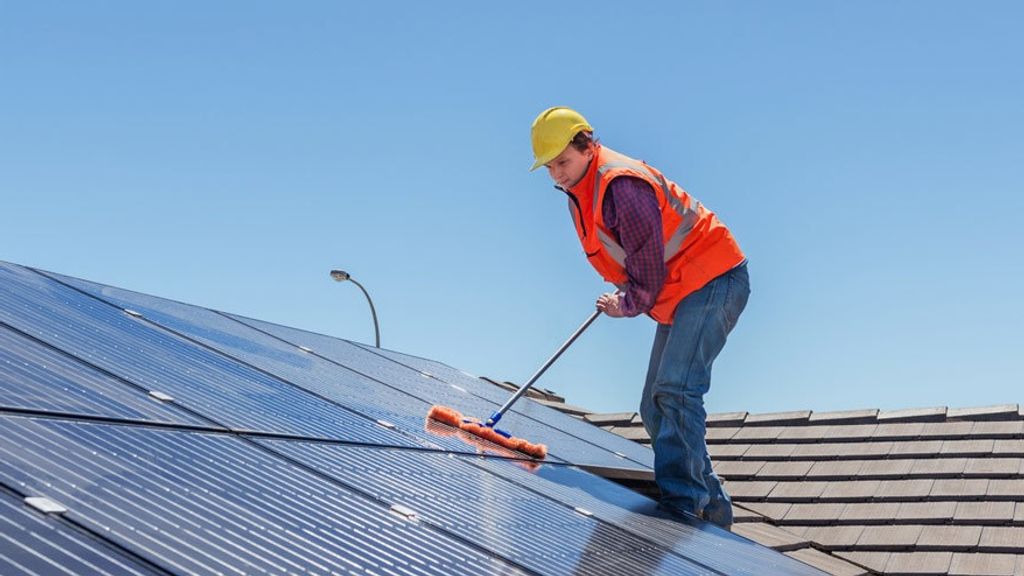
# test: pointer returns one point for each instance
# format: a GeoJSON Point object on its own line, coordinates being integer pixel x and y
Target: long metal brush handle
{"type": "Point", "coordinates": [529, 383]}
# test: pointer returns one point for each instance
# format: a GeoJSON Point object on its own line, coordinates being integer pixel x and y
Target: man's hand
{"type": "Point", "coordinates": [610, 304]}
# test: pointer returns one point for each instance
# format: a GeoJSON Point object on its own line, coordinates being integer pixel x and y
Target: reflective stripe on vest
{"type": "Point", "coordinates": [674, 243]}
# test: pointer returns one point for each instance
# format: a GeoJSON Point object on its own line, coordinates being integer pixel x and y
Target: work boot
{"type": "Point", "coordinates": [718, 512]}
{"type": "Point", "coordinates": [717, 520]}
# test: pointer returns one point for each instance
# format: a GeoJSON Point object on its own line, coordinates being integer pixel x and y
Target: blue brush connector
{"type": "Point", "coordinates": [494, 419]}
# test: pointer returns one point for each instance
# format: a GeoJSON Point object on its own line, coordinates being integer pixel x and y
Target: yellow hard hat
{"type": "Point", "coordinates": [552, 131]}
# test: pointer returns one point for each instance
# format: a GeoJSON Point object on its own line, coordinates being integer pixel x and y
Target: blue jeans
{"type": "Point", "coordinates": [672, 406]}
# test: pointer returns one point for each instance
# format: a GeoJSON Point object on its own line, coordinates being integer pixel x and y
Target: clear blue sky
{"type": "Point", "coordinates": [869, 156]}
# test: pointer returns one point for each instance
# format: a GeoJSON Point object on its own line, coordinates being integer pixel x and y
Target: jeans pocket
{"type": "Point", "coordinates": [736, 296]}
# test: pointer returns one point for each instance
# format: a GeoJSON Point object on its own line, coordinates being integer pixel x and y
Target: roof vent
{"type": "Point", "coordinates": [131, 312]}
{"type": "Point", "coordinates": [620, 455]}
{"type": "Point", "coordinates": [583, 511]}
{"type": "Point", "coordinates": [161, 396]}
{"type": "Point", "coordinates": [305, 348]}
{"type": "Point", "coordinates": [45, 505]}
{"type": "Point", "coordinates": [404, 511]}
{"type": "Point", "coordinates": [385, 424]}
{"type": "Point", "coordinates": [426, 374]}
{"type": "Point", "coordinates": [459, 388]}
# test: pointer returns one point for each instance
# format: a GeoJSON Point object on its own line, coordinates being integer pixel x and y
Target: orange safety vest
{"type": "Point", "coordinates": [698, 247]}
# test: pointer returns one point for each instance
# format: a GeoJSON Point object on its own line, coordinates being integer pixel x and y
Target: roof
{"type": "Point", "coordinates": [918, 491]}
{"type": "Point", "coordinates": [144, 436]}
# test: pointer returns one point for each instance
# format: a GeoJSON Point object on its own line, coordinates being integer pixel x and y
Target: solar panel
{"type": "Point", "coordinates": [588, 444]}
{"type": "Point", "coordinates": [224, 392]}
{"type": "Point", "coordinates": [392, 405]}
{"type": "Point", "coordinates": [214, 503]}
{"type": "Point", "coordinates": [563, 434]}
{"type": "Point", "coordinates": [541, 505]}
{"type": "Point", "coordinates": [37, 377]}
{"type": "Point", "coordinates": [367, 383]}
{"type": "Point", "coordinates": [699, 541]}
{"type": "Point", "coordinates": [172, 439]}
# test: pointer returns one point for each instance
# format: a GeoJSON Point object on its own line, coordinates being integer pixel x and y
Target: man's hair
{"type": "Point", "coordinates": [583, 140]}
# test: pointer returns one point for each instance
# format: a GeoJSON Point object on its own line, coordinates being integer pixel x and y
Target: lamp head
{"type": "Point", "coordinates": [339, 275]}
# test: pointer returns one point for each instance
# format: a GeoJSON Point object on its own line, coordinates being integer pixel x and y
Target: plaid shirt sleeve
{"type": "Point", "coordinates": [631, 212]}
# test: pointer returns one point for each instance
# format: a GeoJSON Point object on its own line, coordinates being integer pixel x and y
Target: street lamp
{"type": "Point", "coordinates": [341, 276]}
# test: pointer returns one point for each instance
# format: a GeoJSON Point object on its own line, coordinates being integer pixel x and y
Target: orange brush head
{"type": "Point", "coordinates": [482, 446]}
{"type": "Point", "coordinates": [455, 419]}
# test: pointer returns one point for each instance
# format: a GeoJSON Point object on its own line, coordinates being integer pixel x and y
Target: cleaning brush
{"type": "Point", "coordinates": [454, 418]}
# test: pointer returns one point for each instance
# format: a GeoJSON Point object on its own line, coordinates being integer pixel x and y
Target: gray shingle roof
{"type": "Point", "coordinates": [918, 491]}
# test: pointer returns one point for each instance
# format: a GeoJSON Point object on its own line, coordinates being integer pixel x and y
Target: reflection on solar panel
{"type": "Point", "coordinates": [144, 436]}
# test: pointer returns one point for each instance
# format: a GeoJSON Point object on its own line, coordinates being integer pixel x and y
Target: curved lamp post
{"type": "Point", "coordinates": [341, 276]}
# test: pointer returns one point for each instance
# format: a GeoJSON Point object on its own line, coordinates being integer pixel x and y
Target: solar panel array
{"type": "Point", "coordinates": [144, 436]}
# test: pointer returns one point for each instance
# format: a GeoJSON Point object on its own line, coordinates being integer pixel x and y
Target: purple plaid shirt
{"type": "Point", "coordinates": [631, 212]}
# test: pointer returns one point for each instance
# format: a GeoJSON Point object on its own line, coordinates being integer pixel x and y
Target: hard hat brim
{"type": "Point", "coordinates": [538, 162]}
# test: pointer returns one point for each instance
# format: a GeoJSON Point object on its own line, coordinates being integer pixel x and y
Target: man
{"type": "Point", "coordinates": [671, 259]}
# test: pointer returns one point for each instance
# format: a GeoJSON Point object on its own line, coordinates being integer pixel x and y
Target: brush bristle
{"type": "Point", "coordinates": [538, 451]}
{"type": "Point", "coordinates": [446, 415]}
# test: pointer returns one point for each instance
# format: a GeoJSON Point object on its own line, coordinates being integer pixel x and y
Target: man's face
{"type": "Point", "coordinates": [569, 167]}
